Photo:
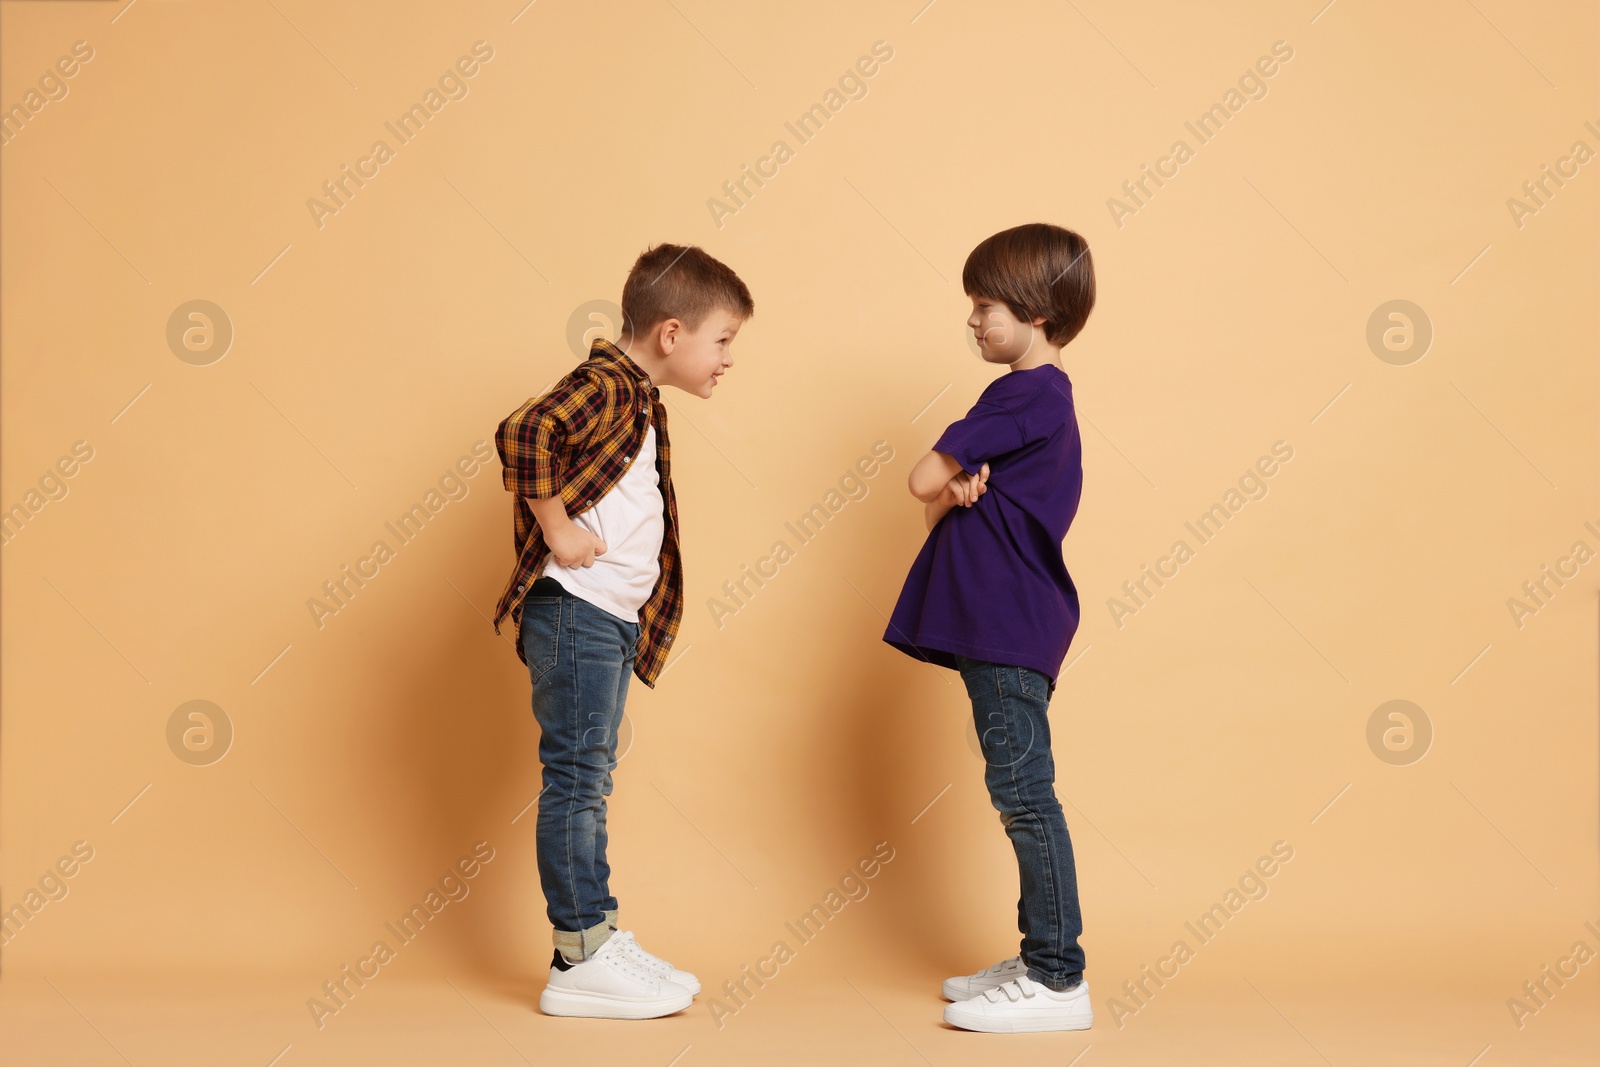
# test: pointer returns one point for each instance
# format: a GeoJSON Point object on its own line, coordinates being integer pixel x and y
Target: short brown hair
{"type": "Point", "coordinates": [1039, 271]}
{"type": "Point", "coordinates": [680, 282]}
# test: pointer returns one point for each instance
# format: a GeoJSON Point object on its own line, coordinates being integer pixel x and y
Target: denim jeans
{"type": "Point", "coordinates": [1010, 707]}
{"type": "Point", "coordinates": [580, 659]}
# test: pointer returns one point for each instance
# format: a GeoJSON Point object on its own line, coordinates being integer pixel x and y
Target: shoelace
{"type": "Point", "coordinates": [617, 955]}
{"type": "Point", "coordinates": [630, 947]}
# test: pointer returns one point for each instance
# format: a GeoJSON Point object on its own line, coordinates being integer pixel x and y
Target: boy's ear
{"type": "Point", "coordinates": [667, 334]}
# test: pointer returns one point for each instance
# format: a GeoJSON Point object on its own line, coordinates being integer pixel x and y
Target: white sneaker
{"type": "Point", "coordinates": [653, 963]}
{"type": "Point", "coordinates": [610, 985]}
{"type": "Point", "coordinates": [969, 986]}
{"type": "Point", "coordinates": [1023, 1006]}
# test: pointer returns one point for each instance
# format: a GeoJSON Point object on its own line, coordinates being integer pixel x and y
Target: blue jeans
{"type": "Point", "coordinates": [1010, 707]}
{"type": "Point", "coordinates": [580, 659]}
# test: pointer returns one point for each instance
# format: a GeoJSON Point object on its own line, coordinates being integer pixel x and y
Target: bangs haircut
{"type": "Point", "coordinates": [1038, 271]}
{"type": "Point", "coordinates": [680, 282]}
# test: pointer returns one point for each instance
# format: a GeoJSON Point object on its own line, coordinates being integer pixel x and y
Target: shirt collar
{"type": "Point", "coordinates": [603, 349]}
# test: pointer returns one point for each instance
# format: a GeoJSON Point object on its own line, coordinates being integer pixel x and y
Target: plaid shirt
{"type": "Point", "coordinates": [576, 440]}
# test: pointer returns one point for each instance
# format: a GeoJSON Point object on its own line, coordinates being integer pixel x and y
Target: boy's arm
{"type": "Point", "coordinates": [533, 439]}
{"type": "Point", "coordinates": [570, 544]}
{"type": "Point", "coordinates": [963, 490]}
{"type": "Point", "coordinates": [931, 475]}
{"type": "Point", "coordinates": [531, 442]}
{"type": "Point", "coordinates": [954, 473]}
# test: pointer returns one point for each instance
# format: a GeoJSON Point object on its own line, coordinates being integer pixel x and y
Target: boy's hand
{"type": "Point", "coordinates": [572, 545]}
{"type": "Point", "coordinates": [964, 489]}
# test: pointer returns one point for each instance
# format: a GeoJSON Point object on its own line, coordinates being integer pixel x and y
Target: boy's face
{"type": "Point", "coordinates": [1001, 336]}
{"type": "Point", "coordinates": [699, 357]}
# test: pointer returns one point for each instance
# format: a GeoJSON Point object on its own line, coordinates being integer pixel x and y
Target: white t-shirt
{"type": "Point", "coordinates": [628, 518]}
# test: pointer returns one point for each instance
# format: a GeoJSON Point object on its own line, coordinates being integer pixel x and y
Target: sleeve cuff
{"type": "Point", "coordinates": [539, 482]}
{"type": "Point", "coordinates": [960, 454]}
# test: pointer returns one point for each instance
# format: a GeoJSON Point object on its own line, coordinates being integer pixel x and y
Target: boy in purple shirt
{"type": "Point", "coordinates": [989, 596]}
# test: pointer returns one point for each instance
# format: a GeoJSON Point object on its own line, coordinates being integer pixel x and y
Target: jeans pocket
{"type": "Point", "coordinates": [541, 633]}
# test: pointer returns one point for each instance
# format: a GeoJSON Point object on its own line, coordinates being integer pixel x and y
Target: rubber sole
{"type": "Point", "coordinates": [570, 1003]}
{"type": "Point", "coordinates": [1018, 1026]}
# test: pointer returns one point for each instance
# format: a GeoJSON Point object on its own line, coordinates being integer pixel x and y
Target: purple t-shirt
{"type": "Point", "coordinates": [990, 582]}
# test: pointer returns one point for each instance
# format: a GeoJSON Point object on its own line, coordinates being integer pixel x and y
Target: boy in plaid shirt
{"type": "Point", "coordinates": [597, 595]}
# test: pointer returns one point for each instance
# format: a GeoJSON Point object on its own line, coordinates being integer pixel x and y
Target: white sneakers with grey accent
{"type": "Point", "coordinates": [970, 985]}
{"type": "Point", "coordinates": [1019, 1005]}
{"type": "Point", "coordinates": [620, 981]}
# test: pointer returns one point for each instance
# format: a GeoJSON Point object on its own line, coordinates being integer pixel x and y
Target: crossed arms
{"type": "Point", "coordinates": [939, 482]}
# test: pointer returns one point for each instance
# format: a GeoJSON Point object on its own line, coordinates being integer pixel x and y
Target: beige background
{"type": "Point", "coordinates": [369, 354]}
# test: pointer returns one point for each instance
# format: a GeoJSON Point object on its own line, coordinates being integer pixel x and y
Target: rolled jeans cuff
{"type": "Point", "coordinates": [611, 918]}
{"type": "Point", "coordinates": [1058, 985]}
{"type": "Point", "coordinates": [581, 944]}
